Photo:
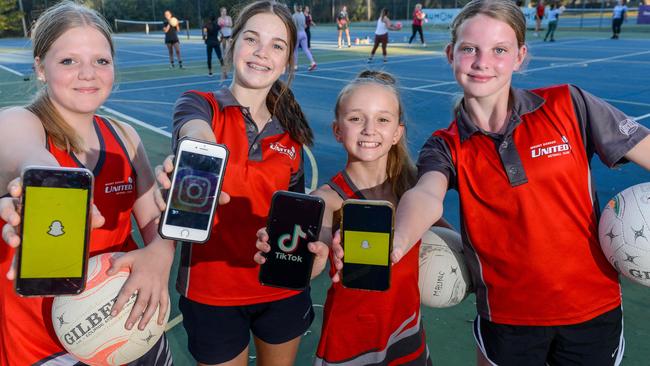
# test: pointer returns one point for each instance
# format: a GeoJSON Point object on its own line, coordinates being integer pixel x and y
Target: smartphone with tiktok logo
{"type": "Point", "coordinates": [294, 221]}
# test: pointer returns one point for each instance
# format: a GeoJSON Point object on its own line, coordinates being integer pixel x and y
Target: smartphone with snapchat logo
{"type": "Point", "coordinates": [294, 221]}
{"type": "Point", "coordinates": [367, 237]}
{"type": "Point", "coordinates": [196, 184]}
{"type": "Point", "coordinates": [55, 231]}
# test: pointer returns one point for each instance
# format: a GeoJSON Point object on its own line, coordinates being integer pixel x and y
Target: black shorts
{"type": "Point", "coordinates": [216, 334]}
{"type": "Point", "coordinates": [596, 342]}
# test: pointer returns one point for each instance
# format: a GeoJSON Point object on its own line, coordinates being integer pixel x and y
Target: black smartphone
{"type": "Point", "coordinates": [198, 175]}
{"type": "Point", "coordinates": [294, 221]}
{"type": "Point", "coordinates": [367, 236]}
{"type": "Point", "coordinates": [55, 230]}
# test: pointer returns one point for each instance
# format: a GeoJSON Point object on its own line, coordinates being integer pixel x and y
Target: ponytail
{"type": "Point", "coordinates": [283, 105]}
{"type": "Point", "coordinates": [63, 135]}
{"type": "Point", "coordinates": [400, 168]}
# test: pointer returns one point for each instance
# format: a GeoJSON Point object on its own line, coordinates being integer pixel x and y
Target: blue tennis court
{"type": "Point", "coordinates": [146, 89]}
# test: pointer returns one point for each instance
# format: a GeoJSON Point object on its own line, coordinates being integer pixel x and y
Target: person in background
{"type": "Point", "coordinates": [553, 17]}
{"type": "Point", "coordinates": [309, 22]}
{"type": "Point", "coordinates": [225, 22]}
{"type": "Point", "coordinates": [619, 15]}
{"type": "Point", "coordinates": [418, 18]}
{"type": "Point", "coordinates": [343, 25]}
{"type": "Point", "coordinates": [301, 23]}
{"type": "Point", "coordinates": [381, 34]}
{"type": "Point", "coordinates": [171, 39]}
{"type": "Point", "coordinates": [211, 36]}
{"type": "Point", "coordinates": [539, 16]}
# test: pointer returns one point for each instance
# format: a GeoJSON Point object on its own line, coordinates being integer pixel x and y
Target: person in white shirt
{"type": "Point", "coordinates": [553, 16]}
{"type": "Point", "coordinates": [381, 34]}
{"type": "Point", "coordinates": [618, 17]}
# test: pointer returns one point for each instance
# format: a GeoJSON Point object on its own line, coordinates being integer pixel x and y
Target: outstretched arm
{"type": "Point", "coordinates": [419, 208]}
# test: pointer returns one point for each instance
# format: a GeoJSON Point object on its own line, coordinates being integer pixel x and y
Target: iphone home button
{"type": "Point", "coordinates": [185, 233]}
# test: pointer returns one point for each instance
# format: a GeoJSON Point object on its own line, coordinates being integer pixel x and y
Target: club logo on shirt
{"type": "Point", "coordinates": [121, 187]}
{"type": "Point", "coordinates": [551, 149]}
{"type": "Point", "coordinates": [628, 126]}
{"type": "Point", "coordinates": [290, 152]}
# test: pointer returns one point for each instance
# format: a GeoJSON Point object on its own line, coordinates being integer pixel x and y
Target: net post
{"type": "Point", "coordinates": [187, 28]}
{"type": "Point", "coordinates": [146, 28]}
{"type": "Point", "coordinates": [115, 21]}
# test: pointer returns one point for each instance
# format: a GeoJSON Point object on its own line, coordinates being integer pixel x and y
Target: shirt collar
{"type": "Point", "coordinates": [225, 98]}
{"type": "Point", "coordinates": [524, 101]}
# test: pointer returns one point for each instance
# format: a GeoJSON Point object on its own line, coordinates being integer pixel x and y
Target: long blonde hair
{"type": "Point", "coordinates": [400, 168]}
{"type": "Point", "coordinates": [50, 26]}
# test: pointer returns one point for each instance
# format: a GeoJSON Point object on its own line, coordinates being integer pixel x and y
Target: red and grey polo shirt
{"type": "Point", "coordinates": [529, 212]}
{"type": "Point", "coordinates": [221, 272]}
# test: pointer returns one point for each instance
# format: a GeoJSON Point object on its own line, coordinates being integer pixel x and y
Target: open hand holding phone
{"type": "Point", "coordinates": [55, 230]}
{"type": "Point", "coordinates": [367, 235]}
{"type": "Point", "coordinates": [198, 175]}
{"type": "Point", "coordinates": [294, 221]}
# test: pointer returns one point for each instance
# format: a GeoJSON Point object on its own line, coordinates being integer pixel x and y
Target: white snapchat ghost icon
{"type": "Point", "coordinates": [56, 228]}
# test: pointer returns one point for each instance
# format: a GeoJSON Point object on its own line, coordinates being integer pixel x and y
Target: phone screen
{"type": "Point", "coordinates": [54, 230]}
{"type": "Point", "coordinates": [367, 232]}
{"type": "Point", "coordinates": [196, 183]}
{"type": "Point", "coordinates": [294, 221]}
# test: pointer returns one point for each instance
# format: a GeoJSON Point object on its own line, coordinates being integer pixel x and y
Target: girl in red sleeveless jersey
{"type": "Point", "coordinates": [264, 128]}
{"type": "Point", "coordinates": [361, 327]}
{"type": "Point", "coordinates": [73, 58]}
{"type": "Point", "coordinates": [520, 160]}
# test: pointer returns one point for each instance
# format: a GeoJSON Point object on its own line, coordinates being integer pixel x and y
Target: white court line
{"type": "Point", "coordinates": [434, 85]}
{"type": "Point", "coordinates": [585, 62]}
{"type": "Point", "coordinates": [164, 86]}
{"type": "Point", "coordinates": [140, 101]}
{"type": "Point", "coordinates": [399, 77]}
{"type": "Point", "coordinates": [314, 170]}
{"type": "Point", "coordinates": [626, 102]}
{"type": "Point", "coordinates": [12, 71]}
{"type": "Point", "coordinates": [391, 61]}
{"type": "Point", "coordinates": [400, 87]}
{"type": "Point", "coordinates": [136, 121]}
{"type": "Point", "coordinates": [582, 63]}
{"type": "Point", "coordinates": [174, 322]}
{"type": "Point", "coordinates": [145, 53]}
{"type": "Point", "coordinates": [642, 117]}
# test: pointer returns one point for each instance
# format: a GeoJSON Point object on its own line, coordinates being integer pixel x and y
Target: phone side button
{"type": "Point", "coordinates": [185, 233]}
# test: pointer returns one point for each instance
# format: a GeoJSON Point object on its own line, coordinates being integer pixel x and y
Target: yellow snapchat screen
{"type": "Point", "coordinates": [53, 232]}
{"type": "Point", "coordinates": [364, 247]}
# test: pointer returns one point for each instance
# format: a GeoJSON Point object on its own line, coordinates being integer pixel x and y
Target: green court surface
{"type": "Point", "coordinates": [146, 89]}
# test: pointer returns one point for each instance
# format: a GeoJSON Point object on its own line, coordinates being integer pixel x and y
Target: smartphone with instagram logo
{"type": "Point", "coordinates": [196, 184]}
{"type": "Point", "coordinates": [294, 221]}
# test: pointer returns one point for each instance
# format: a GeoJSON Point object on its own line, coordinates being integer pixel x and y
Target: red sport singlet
{"type": "Point", "coordinates": [26, 333]}
{"type": "Point", "coordinates": [374, 328]}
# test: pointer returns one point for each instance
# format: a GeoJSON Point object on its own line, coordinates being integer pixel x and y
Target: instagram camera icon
{"type": "Point", "coordinates": [194, 190]}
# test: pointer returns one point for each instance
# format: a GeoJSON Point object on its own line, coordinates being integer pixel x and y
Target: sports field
{"type": "Point", "coordinates": [145, 91]}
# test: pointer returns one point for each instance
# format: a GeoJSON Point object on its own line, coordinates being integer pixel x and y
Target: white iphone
{"type": "Point", "coordinates": [198, 174]}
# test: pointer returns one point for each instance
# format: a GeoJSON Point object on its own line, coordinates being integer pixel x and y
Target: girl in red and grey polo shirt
{"type": "Point", "coordinates": [262, 125]}
{"type": "Point", "coordinates": [520, 160]}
